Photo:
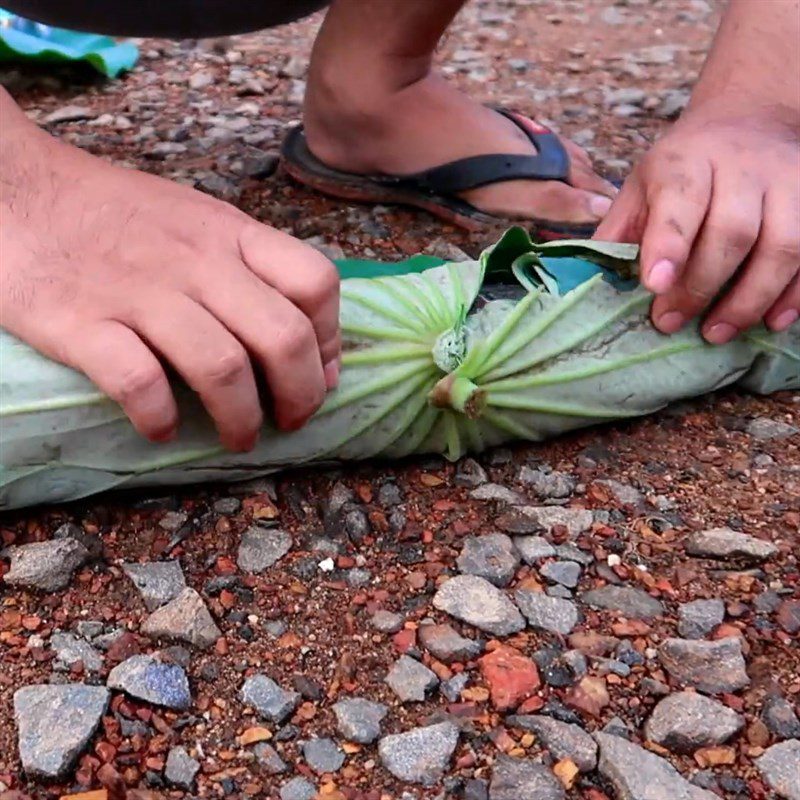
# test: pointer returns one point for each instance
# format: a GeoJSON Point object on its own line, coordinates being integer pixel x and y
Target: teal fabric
{"type": "Point", "coordinates": [22, 40]}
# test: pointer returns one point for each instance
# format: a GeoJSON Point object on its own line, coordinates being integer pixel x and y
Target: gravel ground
{"type": "Point", "coordinates": [655, 562]}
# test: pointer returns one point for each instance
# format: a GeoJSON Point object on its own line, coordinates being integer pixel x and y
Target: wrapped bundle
{"type": "Point", "coordinates": [527, 342]}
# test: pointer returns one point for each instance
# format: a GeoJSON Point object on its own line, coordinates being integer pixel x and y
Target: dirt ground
{"type": "Point", "coordinates": [608, 74]}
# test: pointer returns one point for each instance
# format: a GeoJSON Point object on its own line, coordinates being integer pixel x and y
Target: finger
{"type": "Point", "coordinates": [677, 205]}
{"type": "Point", "coordinates": [625, 219]}
{"type": "Point", "coordinates": [772, 266]}
{"type": "Point", "coordinates": [726, 238]}
{"type": "Point", "coordinates": [121, 365]}
{"type": "Point", "coordinates": [279, 336]}
{"type": "Point", "coordinates": [304, 276]}
{"type": "Point", "coordinates": [786, 310]}
{"type": "Point", "coordinates": [210, 360]}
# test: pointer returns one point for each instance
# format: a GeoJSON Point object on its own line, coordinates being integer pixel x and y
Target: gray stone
{"type": "Point", "coordinates": [410, 680]}
{"type": "Point", "coordinates": [71, 649]}
{"type": "Point", "coordinates": [227, 506]}
{"type": "Point", "coordinates": [699, 617]}
{"type": "Point", "coordinates": [386, 621]}
{"type": "Point", "coordinates": [69, 114]}
{"type": "Point", "coordinates": [201, 80]}
{"type": "Point", "coordinates": [781, 718]}
{"type": "Point", "coordinates": [149, 679]}
{"type": "Point", "coordinates": [764, 429]}
{"type": "Point", "coordinates": [548, 485]}
{"type": "Point", "coordinates": [420, 755]}
{"type": "Point", "coordinates": [444, 643]}
{"type": "Point", "coordinates": [497, 493]}
{"type": "Point", "coordinates": [173, 521]}
{"type": "Point", "coordinates": [158, 582]}
{"type": "Point", "coordinates": [469, 473]}
{"type": "Point", "coordinates": [709, 667]}
{"type": "Point", "coordinates": [54, 725]}
{"type": "Point", "coordinates": [562, 739]}
{"type": "Point", "coordinates": [451, 689]}
{"type": "Point", "coordinates": [637, 774]}
{"type": "Point", "coordinates": [268, 759]}
{"type": "Point", "coordinates": [687, 721]}
{"type": "Point", "coordinates": [492, 556]}
{"type": "Point", "coordinates": [567, 573]}
{"type": "Point", "coordinates": [515, 778]}
{"type": "Point", "coordinates": [569, 552]}
{"type": "Point", "coordinates": [672, 103]}
{"type": "Point", "coordinates": [323, 755]}
{"type": "Point", "coordinates": [546, 518]}
{"type": "Point", "coordinates": [181, 769]}
{"type": "Point", "coordinates": [270, 700]}
{"type": "Point", "coordinates": [474, 600]}
{"type": "Point", "coordinates": [298, 789]}
{"type": "Point", "coordinates": [624, 493]}
{"type": "Point", "coordinates": [725, 544]}
{"type": "Point", "coordinates": [46, 566]}
{"type": "Point", "coordinates": [630, 602]}
{"type": "Point", "coordinates": [359, 720]}
{"type": "Point", "coordinates": [553, 614]}
{"type": "Point", "coordinates": [185, 619]}
{"type": "Point", "coordinates": [780, 768]}
{"type": "Point", "coordinates": [533, 548]}
{"type": "Point", "coordinates": [261, 548]}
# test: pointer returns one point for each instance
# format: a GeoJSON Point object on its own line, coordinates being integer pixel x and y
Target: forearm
{"type": "Point", "coordinates": [754, 63]}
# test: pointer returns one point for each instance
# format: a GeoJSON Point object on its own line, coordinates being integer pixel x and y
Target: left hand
{"type": "Point", "coordinates": [717, 200]}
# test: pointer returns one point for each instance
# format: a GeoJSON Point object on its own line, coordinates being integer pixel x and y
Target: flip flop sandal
{"type": "Point", "coordinates": [435, 190]}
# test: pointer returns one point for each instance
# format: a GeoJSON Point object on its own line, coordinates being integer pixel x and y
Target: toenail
{"type": "Point", "coordinates": [599, 205]}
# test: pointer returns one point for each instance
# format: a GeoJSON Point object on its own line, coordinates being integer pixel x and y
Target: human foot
{"type": "Point", "coordinates": [428, 123]}
{"type": "Point", "coordinates": [109, 271]}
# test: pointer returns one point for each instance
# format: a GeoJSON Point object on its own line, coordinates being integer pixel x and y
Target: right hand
{"type": "Point", "coordinates": [112, 271]}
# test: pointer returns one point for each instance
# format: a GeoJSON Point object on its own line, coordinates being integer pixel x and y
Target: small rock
{"type": "Point", "coordinates": [469, 473]}
{"type": "Point", "coordinates": [553, 614]}
{"type": "Point", "coordinates": [149, 679]}
{"type": "Point", "coordinates": [359, 720]}
{"type": "Point", "coordinates": [511, 676]}
{"type": "Point", "coordinates": [444, 643]}
{"type": "Point", "coordinates": [764, 429]}
{"type": "Point", "coordinates": [546, 518]}
{"type": "Point", "coordinates": [298, 789]}
{"type": "Point", "coordinates": [562, 739]}
{"type": "Point", "coordinates": [699, 617]}
{"type": "Point", "coordinates": [517, 778]}
{"type": "Point", "coordinates": [268, 759]}
{"type": "Point", "coordinates": [686, 721]}
{"type": "Point", "coordinates": [201, 80]}
{"type": "Point", "coordinates": [492, 556]}
{"type": "Point", "coordinates": [46, 566]}
{"type": "Point", "coordinates": [709, 667]}
{"type": "Point", "coordinates": [780, 768]}
{"type": "Point", "coordinates": [497, 493]}
{"type": "Point", "coordinates": [548, 485]}
{"type": "Point", "coordinates": [323, 755]}
{"type": "Point", "coordinates": [71, 650]}
{"type": "Point", "coordinates": [386, 621]}
{"type": "Point", "coordinates": [420, 755]}
{"type": "Point", "coordinates": [567, 573]}
{"type": "Point", "coordinates": [624, 493]}
{"type": "Point", "coordinates": [474, 600]}
{"type": "Point", "coordinates": [261, 548]}
{"type": "Point", "coordinates": [452, 689]}
{"type": "Point", "coordinates": [185, 619]}
{"type": "Point", "coordinates": [781, 718]}
{"type": "Point", "coordinates": [269, 699]}
{"type": "Point", "coordinates": [181, 769]}
{"type": "Point", "coordinates": [227, 506]}
{"type": "Point", "coordinates": [69, 114]}
{"type": "Point", "coordinates": [410, 680]}
{"type": "Point", "coordinates": [725, 544]}
{"type": "Point", "coordinates": [533, 548]}
{"type": "Point", "coordinates": [673, 103]}
{"type": "Point", "coordinates": [631, 603]}
{"type": "Point", "coordinates": [787, 616]}
{"type": "Point", "coordinates": [158, 582]}
{"type": "Point", "coordinates": [54, 724]}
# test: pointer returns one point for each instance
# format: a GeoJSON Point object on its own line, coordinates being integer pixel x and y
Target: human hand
{"type": "Point", "coordinates": [717, 200]}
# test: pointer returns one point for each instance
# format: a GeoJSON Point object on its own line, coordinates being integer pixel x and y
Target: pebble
{"type": "Point", "coordinates": [201, 80]}
{"type": "Point", "coordinates": [698, 618]}
{"type": "Point", "coordinates": [181, 769]}
{"type": "Point", "coordinates": [323, 755]}
{"type": "Point", "coordinates": [46, 566]}
{"type": "Point", "coordinates": [386, 621]}
{"type": "Point", "coordinates": [359, 720]}
{"type": "Point", "coordinates": [469, 473]}
{"type": "Point", "coordinates": [631, 603]}
{"type": "Point", "coordinates": [511, 677]}
{"type": "Point", "coordinates": [533, 548]}
{"type": "Point", "coordinates": [575, 520]}
{"type": "Point", "coordinates": [410, 680]}
{"type": "Point", "coordinates": [474, 600]}
{"type": "Point", "coordinates": [71, 649]}
{"type": "Point", "coordinates": [788, 616]}
{"type": "Point", "coordinates": [261, 548]}
{"type": "Point", "coordinates": [184, 619]}
{"type": "Point", "coordinates": [420, 755]}
{"type": "Point", "coordinates": [567, 573]}
{"type": "Point", "coordinates": [562, 739]}
{"type": "Point", "coordinates": [765, 429]}
{"type": "Point", "coordinates": [780, 768]}
{"type": "Point", "coordinates": [452, 689]}
{"type": "Point", "coordinates": [158, 582]}
{"type": "Point", "coordinates": [69, 114]}
{"type": "Point", "coordinates": [270, 700]}
{"type": "Point", "coordinates": [492, 556]}
{"type": "Point", "coordinates": [497, 493]}
{"type": "Point", "coordinates": [709, 667]}
{"type": "Point", "coordinates": [515, 778]}
{"type": "Point", "coordinates": [268, 759]}
{"type": "Point", "coordinates": [726, 544]}
{"type": "Point", "coordinates": [147, 678]}
{"type": "Point", "coordinates": [444, 643]}
{"type": "Point", "coordinates": [637, 774]}
{"type": "Point", "coordinates": [548, 485]}
{"type": "Point", "coordinates": [298, 789]}
{"type": "Point", "coordinates": [781, 718]}
{"type": "Point", "coordinates": [553, 614]}
{"type": "Point", "coordinates": [672, 103]}
{"type": "Point", "coordinates": [687, 721]}
{"type": "Point", "coordinates": [624, 493]}
{"type": "Point", "coordinates": [54, 725]}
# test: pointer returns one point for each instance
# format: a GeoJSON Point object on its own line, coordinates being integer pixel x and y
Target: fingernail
{"type": "Point", "coordinates": [785, 319]}
{"type": "Point", "coordinates": [670, 322]}
{"type": "Point", "coordinates": [661, 276]}
{"type": "Point", "coordinates": [599, 205]}
{"type": "Point", "coordinates": [721, 333]}
{"type": "Point", "coordinates": [332, 374]}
